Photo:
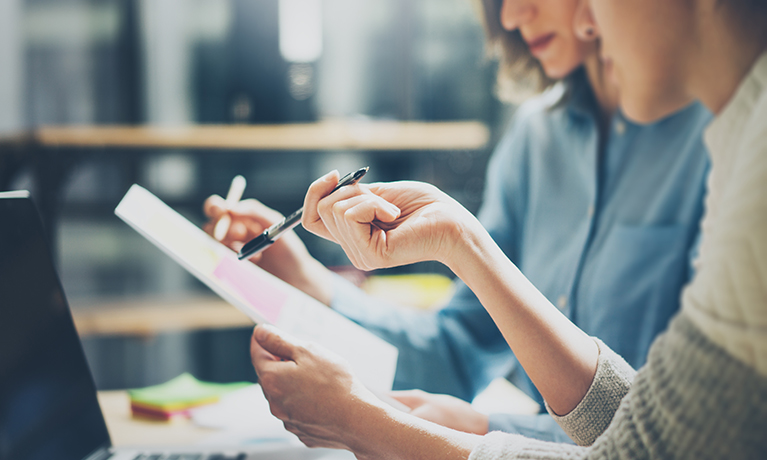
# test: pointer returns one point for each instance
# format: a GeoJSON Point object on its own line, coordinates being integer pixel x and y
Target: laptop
{"type": "Point", "coordinates": [48, 404]}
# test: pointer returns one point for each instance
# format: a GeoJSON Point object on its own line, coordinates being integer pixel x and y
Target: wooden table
{"type": "Point", "coordinates": [127, 431]}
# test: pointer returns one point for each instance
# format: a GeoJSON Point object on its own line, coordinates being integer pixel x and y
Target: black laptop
{"type": "Point", "coordinates": [48, 404]}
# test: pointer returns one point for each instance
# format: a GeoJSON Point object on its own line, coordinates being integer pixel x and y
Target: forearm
{"type": "Point", "coordinates": [559, 358]}
{"type": "Point", "coordinates": [455, 350]}
{"type": "Point", "coordinates": [538, 426]}
{"type": "Point", "coordinates": [392, 434]}
{"type": "Point", "coordinates": [290, 261]}
{"type": "Point", "coordinates": [314, 279]}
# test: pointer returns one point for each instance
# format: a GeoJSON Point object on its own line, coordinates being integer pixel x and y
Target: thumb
{"type": "Point", "coordinates": [214, 206]}
{"type": "Point", "coordinates": [257, 211]}
{"type": "Point", "coordinates": [275, 341]}
{"type": "Point", "coordinates": [411, 398]}
{"type": "Point", "coordinates": [318, 190]}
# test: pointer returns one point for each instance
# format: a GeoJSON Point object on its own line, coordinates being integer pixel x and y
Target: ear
{"type": "Point", "coordinates": [585, 27]}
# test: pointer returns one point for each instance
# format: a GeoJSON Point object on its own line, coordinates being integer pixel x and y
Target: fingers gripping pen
{"type": "Point", "coordinates": [271, 234]}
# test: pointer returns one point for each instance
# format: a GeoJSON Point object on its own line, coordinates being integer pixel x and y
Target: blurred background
{"type": "Point", "coordinates": [169, 63]}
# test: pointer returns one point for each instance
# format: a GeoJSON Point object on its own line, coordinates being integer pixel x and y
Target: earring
{"type": "Point", "coordinates": [589, 32]}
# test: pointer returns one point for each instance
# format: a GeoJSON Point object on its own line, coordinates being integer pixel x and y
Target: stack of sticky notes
{"type": "Point", "coordinates": [176, 397]}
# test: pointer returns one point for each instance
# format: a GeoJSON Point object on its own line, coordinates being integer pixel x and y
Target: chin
{"type": "Point", "coordinates": [644, 111]}
{"type": "Point", "coordinates": [641, 115]}
{"type": "Point", "coordinates": [558, 72]}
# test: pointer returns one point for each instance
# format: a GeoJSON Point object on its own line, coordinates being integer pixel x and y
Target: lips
{"type": "Point", "coordinates": [540, 43]}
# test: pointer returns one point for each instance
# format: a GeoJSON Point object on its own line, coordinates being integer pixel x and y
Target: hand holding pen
{"type": "Point", "coordinates": [383, 225]}
{"type": "Point", "coordinates": [287, 259]}
{"type": "Point", "coordinates": [250, 219]}
{"type": "Point", "coordinates": [271, 234]}
{"type": "Point", "coordinates": [245, 219]}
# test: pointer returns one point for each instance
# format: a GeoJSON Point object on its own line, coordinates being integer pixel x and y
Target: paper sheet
{"type": "Point", "coordinates": [244, 415]}
{"type": "Point", "coordinates": [258, 294]}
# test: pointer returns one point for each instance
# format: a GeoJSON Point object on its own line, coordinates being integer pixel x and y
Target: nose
{"type": "Point", "coordinates": [584, 24]}
{"type": "Point", "coordinates": [515, 13]}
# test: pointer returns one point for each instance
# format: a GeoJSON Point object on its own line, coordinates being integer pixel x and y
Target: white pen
{"type": "Point", "coordinates": [235, 194]}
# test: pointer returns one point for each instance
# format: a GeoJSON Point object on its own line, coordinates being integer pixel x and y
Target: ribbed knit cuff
{"type": "Point", "coordinates": [504, 446]}
{"type": "Point", "coordinates": [497, 446]}
{"type": "Point", "coordinates": [594, 413]}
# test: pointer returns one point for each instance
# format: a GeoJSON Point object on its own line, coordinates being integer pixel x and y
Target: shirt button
{"type": "Point", "coordinates": [562, 302]}
{"type": "Point", "coordinates": [590, 211]}
{"type": "Point", "coordinates": [620, 127]}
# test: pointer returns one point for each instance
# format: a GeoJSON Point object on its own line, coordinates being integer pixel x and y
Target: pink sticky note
{"type": "Point", "coordinates": [265, 298]}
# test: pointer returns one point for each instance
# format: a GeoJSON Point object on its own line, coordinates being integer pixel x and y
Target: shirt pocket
{"type": "Point", "coordinates": [636, 287]}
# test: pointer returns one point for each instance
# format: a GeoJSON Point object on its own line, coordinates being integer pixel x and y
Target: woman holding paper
{"type": "Point", "coordinates": [703, 392]}
{"type": "Point", "coordinates": [600, 212]}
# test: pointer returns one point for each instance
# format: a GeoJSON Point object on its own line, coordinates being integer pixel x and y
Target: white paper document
{"type": "Point", "coordinates": [260, 295]}
{"type": "Point", "coordinates": [242, 417]}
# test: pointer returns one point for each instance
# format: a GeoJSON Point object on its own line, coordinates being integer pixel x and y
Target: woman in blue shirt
{"type": "Point", "coordinates": [599, 213]}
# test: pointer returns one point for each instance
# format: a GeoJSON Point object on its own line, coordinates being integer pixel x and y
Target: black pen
{"type": "Point", "coordinates": [271, 234]}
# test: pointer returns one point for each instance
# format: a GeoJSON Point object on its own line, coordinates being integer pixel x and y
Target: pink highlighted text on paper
{"type": "Point", "coordinates": [264, 297]}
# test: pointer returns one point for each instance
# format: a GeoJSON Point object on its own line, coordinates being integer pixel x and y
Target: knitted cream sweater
{"type": "Point", "coordinates": [691, 401]}
{"type": "Point", "coordinates": [703, 392]}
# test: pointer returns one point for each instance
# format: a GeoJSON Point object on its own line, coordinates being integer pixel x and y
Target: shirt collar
{"type": "Point", "coordinates": [579, 97]}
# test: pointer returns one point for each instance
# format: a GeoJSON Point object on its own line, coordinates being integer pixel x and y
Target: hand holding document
{"type": "Point", "coordinates": [261, 296]}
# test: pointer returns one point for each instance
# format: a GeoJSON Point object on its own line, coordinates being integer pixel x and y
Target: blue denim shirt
{"type": "Point", "coordinates": [606, 235]}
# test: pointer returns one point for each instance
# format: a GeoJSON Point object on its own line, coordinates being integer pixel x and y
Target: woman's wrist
{"type": "Point", "coordinates": [315, 280]}
{"type": "Point", "coordinates": [469, 241]}
{"type": "Point", "coordinates": [318, 281]}
{"type": "Point", "coordinates": [388, 432]}
{"type": "Point", "coordinates": [367, 423]}
{"type": "Point", "coordinates": [531, 325]}
{"type": "Point", "coordinates": [292, 263]}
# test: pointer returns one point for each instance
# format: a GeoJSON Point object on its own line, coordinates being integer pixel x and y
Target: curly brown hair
{"type": "Point", "coordinates": [520, 75]}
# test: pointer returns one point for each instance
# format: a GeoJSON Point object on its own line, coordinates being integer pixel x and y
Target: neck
{"type": "Point", "coordinates": [605, 91]}
{"type": "Point", "coordinates": [722, 60]}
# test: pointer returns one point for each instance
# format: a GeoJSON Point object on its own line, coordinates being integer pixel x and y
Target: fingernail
{"type": "Point", "coordinates": [260, 333]}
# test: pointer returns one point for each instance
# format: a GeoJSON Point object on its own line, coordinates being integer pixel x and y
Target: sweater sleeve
{"type": "Point", "coordinates": [503, 446]}
{"type": "Point", "coordinates": [584, 424]}
{"type": "Point", "coordinates": [593, 414]}
{"type": "Point", "coordinates": [691, 401]}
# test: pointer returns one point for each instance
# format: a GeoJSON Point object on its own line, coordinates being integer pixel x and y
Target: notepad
{"type": "Point", "coordinates": [261, 296]}
{"type": "Point", "coordinates": [178, 396]}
